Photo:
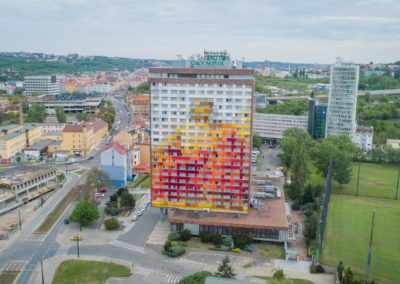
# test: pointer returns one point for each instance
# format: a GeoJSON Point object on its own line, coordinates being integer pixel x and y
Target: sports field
{"type": "Point", "coordinates": [375, 181]}
{"type": "Point", "coordinates": [348, 230]}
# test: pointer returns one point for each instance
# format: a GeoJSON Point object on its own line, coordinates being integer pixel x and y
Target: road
{"type": "Point", "coordinates": [360, 94]}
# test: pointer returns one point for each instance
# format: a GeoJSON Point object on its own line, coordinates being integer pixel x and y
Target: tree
{"type": "Point", "coordinates": [340, 269]}
{"type": "Point", "coordinates": [196, 278]}
{"type": "Point", "coordinates": [96, 179]}
{"type": "Point", "coordinates": [342, 168]}
{"type": "Point", "coordinates": [84, 213]}
{"type": "Point", "coordinates": [300, 173]}
{"type": "Point", "coordinates": [109, 118]}
{"type": "Point", "coordinates": [83, 116]}
{"type": "Point", "coordinates": [60, 114]}
{"type": "Point", "coordinates": [111, 223]}
{"type": "Point", "coordinates": [225, 270]}
{"type": "Point", "coordinates": [257, 141]}
{"type": "Point", "coordinates": [37, 113]}
{"type": "Point", "coordinates": [279, 274]}
{"type": "Point", "coordinates": [310, 226]}
{"type": "Point", "coordinates": [127, 200]}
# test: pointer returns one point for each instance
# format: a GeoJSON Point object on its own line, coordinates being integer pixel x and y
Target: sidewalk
{"type": "Point", "coordinates": [159, 234]}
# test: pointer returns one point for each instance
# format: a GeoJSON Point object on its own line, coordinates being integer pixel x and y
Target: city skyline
{"type": "Point", "coordinates": [312, 32]}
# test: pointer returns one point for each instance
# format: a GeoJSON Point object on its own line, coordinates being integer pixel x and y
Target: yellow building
{"type": "Point", "coordinates": [81, 138]}
{"type": "Point", "coordinates": [394, 143]}
{"type": "Point", "coordinates": [14, 138]}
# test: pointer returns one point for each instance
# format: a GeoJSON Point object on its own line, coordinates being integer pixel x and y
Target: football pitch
{"type": "Point", "coordinates": [348, 231]}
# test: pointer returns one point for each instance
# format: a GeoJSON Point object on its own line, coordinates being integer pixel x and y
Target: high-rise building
{"type": "Point", "coordinates": [201, 118]}
{"type": "Point", "coordinates": [48, 85]}
{"type": "Point", "coordinates": [316, 118]}
{"type": "Point", "coordinates": [341, 116]}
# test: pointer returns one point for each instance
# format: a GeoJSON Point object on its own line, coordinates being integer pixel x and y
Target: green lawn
{"type": "Point", "coordinates": [375, 181]}
{"type": "Point", "coordinates": [271, 251]}
{"type": "Point", "coordinates": [80, 172]}
{"type": "Point", "coordinates": [141, 180]}
{"type": "Point", "coordinates": [348, 230]}
{"type": "Point", "coordinates": [84, 271]}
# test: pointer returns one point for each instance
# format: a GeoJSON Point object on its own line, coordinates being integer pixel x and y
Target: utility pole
{"type": "Point", "coordinates": [19, 218]}
{"type": "Point", "coordinates": [358, 176]}
{"type": "Point", "coordinates": [41, 267]}
{"type": "Point", "coordinates": [397, 187]}
{"type": "Point", "coordinates": [370, 248]}
{"type": "Point", "coordinates": [77, 244]}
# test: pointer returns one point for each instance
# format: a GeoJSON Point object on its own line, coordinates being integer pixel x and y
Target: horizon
{"type": "Point", "coordinates": [316, 31]}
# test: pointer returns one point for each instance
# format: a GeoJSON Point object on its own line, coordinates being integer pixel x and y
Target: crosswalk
{"type": "Point", "coordinates": [128, 246]}
{"type": "Point", "coordinates": [36, 237]}
{"type": "Point", "coordinates": [14, 265]}
{"type": "Point", "coordinates": [186, 261]}
{"type": "Point", "coordinates": [128, 227]}
{"type": "Point", "coordinates": [169, 278]}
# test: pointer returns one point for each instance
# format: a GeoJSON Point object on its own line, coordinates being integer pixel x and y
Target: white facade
{"type": "Point", "coordinates": [272, 126]}
{"type": "Point", "coordinates": [341, 115]}
{"type": "Point", "coordinates": [363, 138]}
{"type": "Point", "coordinates": [48, 85]}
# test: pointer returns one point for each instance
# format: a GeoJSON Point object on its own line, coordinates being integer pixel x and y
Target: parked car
{"type": "Point", "coordinates": [91, 158]}
{"type": "Point", "coordinates": [66, 221]}
{"type": "Point", "coordinates": [103, 190]}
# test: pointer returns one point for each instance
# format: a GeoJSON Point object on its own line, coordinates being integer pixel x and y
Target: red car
{"type": "Point", "coordinates": [103, 190]}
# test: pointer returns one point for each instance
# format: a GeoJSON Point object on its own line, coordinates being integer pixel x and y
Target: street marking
{"type": "Point", "coordinates": [36, 238]}
{"type": "Point", "coordinates": [172, 279]}
{"type": "Point", "coordinates": [128, 246]}
{"type": "Point", "coordinates": [186, 261]}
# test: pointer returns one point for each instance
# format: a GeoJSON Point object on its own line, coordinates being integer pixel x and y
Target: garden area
{"type": "Point", "coordinates": [85, 271]}
{"type": "Point", "coordinates": [349, 219]}
{"type": "Point", "coordinates": [142, 180]}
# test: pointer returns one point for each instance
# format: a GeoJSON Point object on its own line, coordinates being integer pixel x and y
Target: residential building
{"type": "Point", "coordinates": [341, 116]}
{"type": "Point", "coordinates": [81, 138]}
{"type": "Point", "coordinates": [201, 120]}
{"type": "Point", "coordinates": [15, 138]}
{"type": "Point", "coordinates": [115, 160]}
{"type": "Point", "coordinates": [316, 118]}
{"type": "Point", "coordinates": [38, 149]}
{"type": "Point", "coordinates": [140, 104]}
{"type": "Point", "coordinates": [394, 143]}
{"type": "Point", "coordinates": [48, 85]}
{"type": "Point", "coordinates": [52, 128]}
{"type": "Point", "coordinates": [271, 127]}
{"type": "Point", "coordinates": [363, 138]}
{"type": "Point", "coordinates": [135, 156]}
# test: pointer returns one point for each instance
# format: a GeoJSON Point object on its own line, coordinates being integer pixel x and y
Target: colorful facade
{"type": "Point", "coordinates": [201, 122]}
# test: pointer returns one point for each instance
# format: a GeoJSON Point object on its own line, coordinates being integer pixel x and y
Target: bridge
{"type": "Point", "coordinates": [360, 94]}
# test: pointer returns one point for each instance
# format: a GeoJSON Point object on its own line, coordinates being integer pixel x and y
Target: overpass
{"type": "Point", "coordinates": [360, 93]}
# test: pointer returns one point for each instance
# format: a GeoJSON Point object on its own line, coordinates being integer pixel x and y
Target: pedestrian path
{"type": "Point", "coordinates": [186, 261]}
{"type": "Point", "coordinates": [127, 246]}
{"type": "Point", "coordinates": [169, 278]}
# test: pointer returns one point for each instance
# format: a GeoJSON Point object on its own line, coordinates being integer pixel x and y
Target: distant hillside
{"type": "Point", "coordinates": [280, 65]}
{"type": "Point", "coordinates": [14, 66]}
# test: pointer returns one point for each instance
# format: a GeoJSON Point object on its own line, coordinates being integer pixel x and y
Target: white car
{"type": "Point", "coordinates": [139, 213]}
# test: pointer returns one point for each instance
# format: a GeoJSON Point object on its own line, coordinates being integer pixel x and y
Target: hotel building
{"type": "Point", "coordinates": [201, 121]}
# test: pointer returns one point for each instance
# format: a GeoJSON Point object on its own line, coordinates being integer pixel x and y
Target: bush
{"type": "Point", "coordinates": [217, 239]}
{"type": "Point", "coordinates": [175, 251]}
{"type": "Point", "coordinates": [185, 235]}
{"type": "Point", "coordinates": [114, 198]}
{"type": "Point", "coordinates": [114, 211]}
{"type": "Point", "coordinates": [205, 237]}
{"type": "Point", "coordinates": [320, 269]}
{"type": "Point", "coordinates": [197, 278]}
{"type": "Point", "coordinates": [237, 250]}
{"type": "Point", "coordinates": [121, 191]}
{"type": "Point", "coordinates": [167, 246]}
{"type": "Point", "coordinates": [241, 241]}
{"type": "Point", "coordinates": [173, 237]}
{"type": "Point", "coordinates": [111, 223]}
{"type": "Point", "coordinates": [313, 269]}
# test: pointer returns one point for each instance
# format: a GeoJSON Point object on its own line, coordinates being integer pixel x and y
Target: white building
{"type": "Point", "coordinates": [272, 126]}
{"type": "Point", "coordinates": [363, 138]}
{"type": "Point", "coordinates": [48, 85]}
{"type": "Point", "coordinates": [341, 115]}
{"type": "Point", "coordinates": [115, 160]}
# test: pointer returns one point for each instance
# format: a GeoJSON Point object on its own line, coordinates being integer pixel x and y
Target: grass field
{"type": "Point", "coordinates": [80, 172]}
{"type": "Point", "coordinates": [348, 230]}
{"type": "Point", "coordinates": [271, 251]}
{"type": "Point", "coordinates": [84, 271]}
{"type": "Point", "coordinates": [375, 181]}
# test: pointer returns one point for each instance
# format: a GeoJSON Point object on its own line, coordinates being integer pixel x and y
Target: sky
{"type": "Point", "coordinates": [307, 31]}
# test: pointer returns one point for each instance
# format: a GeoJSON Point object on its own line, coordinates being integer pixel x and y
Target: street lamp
{"type": "Point", "coordinates": [368, 270]}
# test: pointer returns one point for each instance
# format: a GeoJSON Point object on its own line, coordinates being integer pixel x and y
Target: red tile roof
{"type": "Point", "coordinates": [116, 146]}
